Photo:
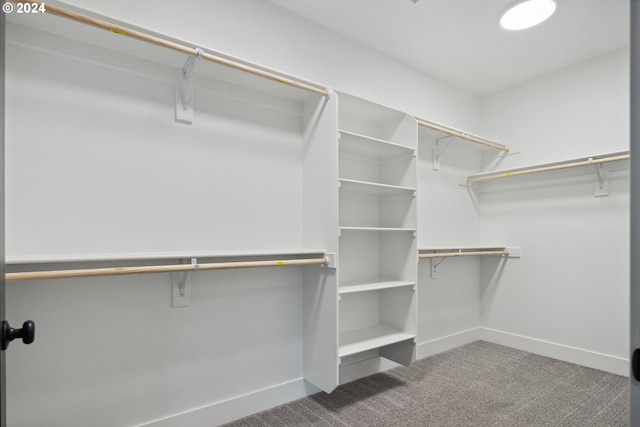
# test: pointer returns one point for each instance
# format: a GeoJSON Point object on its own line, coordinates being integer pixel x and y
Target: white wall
{"type": "Point", "coordinates": [570, 287]}
{"type": "Point", "coordinates": [448, 309]}
{"type": "Point", "coordinates": [578, 111]}
{"type": "Point", "coordinates": [107, 152]}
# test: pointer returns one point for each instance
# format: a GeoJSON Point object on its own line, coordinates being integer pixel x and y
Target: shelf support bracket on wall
{"type": "Point", "coordinates": [434, 265]}
{"type": "Point", "coordinates": [182, 287]}
{"type": "Point", "coordinates": [332, 261]}
{"type": "Point", "coordinates": [601, 184]}
{"type": "Point", "coordinates": [439, 150]}
{"type": "Point", "coordinates": [184, 111]}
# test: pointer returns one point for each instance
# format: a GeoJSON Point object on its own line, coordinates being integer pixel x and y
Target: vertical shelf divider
{"type": "Point", "coordinates": [320, 222]}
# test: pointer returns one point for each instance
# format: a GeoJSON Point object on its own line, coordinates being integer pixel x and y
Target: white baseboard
{"type": "Point", "coordinates": [448, 342]}
{"type": "Point", "coordinates": [241, 406]}
{"type": "Point", "coordinates": [237, 407]}
{"type": "Point", "coordinates": [591, 359]}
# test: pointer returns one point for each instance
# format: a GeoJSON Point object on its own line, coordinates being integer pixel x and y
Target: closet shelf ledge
{"type": "Point", "coordinates": [379, 142]}
{"type": "Point", "coordinates": [148, 269]}
{"type": "Point", "coordinates": [385, 229]}
{"type": "Point", "coordinates": [449, 131]}
{"type": "Point", "coordinates": [551, 166]}
{"type": "Point", "coordinates": [140, 256]}
{"type": "Point", "coordinates": [163, 49]}
{"type": "Point", "coordinates": [447, 252]}
{"type": "Point", "coordinates": [373, 187]}
{"type": "Point", "coordinates": [371, 285]}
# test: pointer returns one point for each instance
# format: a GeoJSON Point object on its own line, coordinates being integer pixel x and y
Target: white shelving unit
{"type": "Point", "coordinates": [377, 254]}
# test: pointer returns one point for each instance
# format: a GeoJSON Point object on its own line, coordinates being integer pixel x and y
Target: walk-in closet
{"type": "Point", "coordinates": [292, 212]}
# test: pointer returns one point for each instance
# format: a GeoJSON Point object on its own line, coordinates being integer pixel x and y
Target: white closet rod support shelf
{"type": "Point", "coordinates": [459, 134]}
{"type": "Point", "coordinates": [461, 253]}
{"type": "Point", "coordinates": [591, 161]}
{"type": "Point", "coordinates": [114, 271]}
{"type": "Point", "coordinates": [138, 35]}
{"type": "Point", "coordinates": [442, 256]}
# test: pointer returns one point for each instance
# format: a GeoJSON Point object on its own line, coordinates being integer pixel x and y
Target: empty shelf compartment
{"type": "Point", "coordinates": [361, 145]}
{"type": "Point", "coordinates": [359, 340]}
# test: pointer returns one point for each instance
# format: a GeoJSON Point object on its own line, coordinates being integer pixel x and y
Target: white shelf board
{"type": "Point", "coordinates": [463, 248]}
{"type": "Point", "coordinates": [448, 131]}
{"type": "Point", "coordinates": [130, 46]}
{"type": "Point", "coordinates": [550, 164]}
{"type": "Point", "coordinates": [371, 285]}
{"type": "Point", "coordinates": [359, 340]}
{"type": "Point", "coordinates": [514, 252]}
{"type": "Point", "coordinates": [58, 258]}
{"type": "Point", "coordinates": [385, 229]}
{"type": "Point", "coordinates": [374, 148]}
{"type": "Point", "coordinates": [366, 187]}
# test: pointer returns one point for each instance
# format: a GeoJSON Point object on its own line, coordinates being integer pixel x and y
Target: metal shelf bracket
{"type": "Point", "coordinates": [184, 111]}
{"type": "Point", "coordinates": [440, 149]}
{"type": "Point", "coordinates": [435, 264]}
{"type": "Point", "coordinates": [182, 286]}
{"type": "Point", "coordinates": [601, 184]}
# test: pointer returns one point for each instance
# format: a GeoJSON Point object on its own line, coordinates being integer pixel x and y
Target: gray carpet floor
{"type": "Point", "coordinates": [479, 384]}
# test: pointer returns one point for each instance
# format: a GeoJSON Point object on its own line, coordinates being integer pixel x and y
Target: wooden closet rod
{"type": "Point", "coordinates": [463, 135]}
{"type": "Point", "coordinates": [138, 35]}
{"type": "Point", "coordinates": [115, 271]}
{"type": "Point", "coordinates": [452, 254]}
{"type": "Point", "coordinates": [550, 168]}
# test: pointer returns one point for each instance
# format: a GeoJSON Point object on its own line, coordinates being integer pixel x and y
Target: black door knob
{"type": "Point", "coordinates": [8, 334]}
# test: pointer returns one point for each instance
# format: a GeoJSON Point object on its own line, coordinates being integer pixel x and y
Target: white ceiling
{"type": "Point", "coordinates": [460, 41]}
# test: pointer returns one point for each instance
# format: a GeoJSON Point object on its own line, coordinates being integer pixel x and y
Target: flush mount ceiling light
{"type": "Point", "coordinates": [527, 13]}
